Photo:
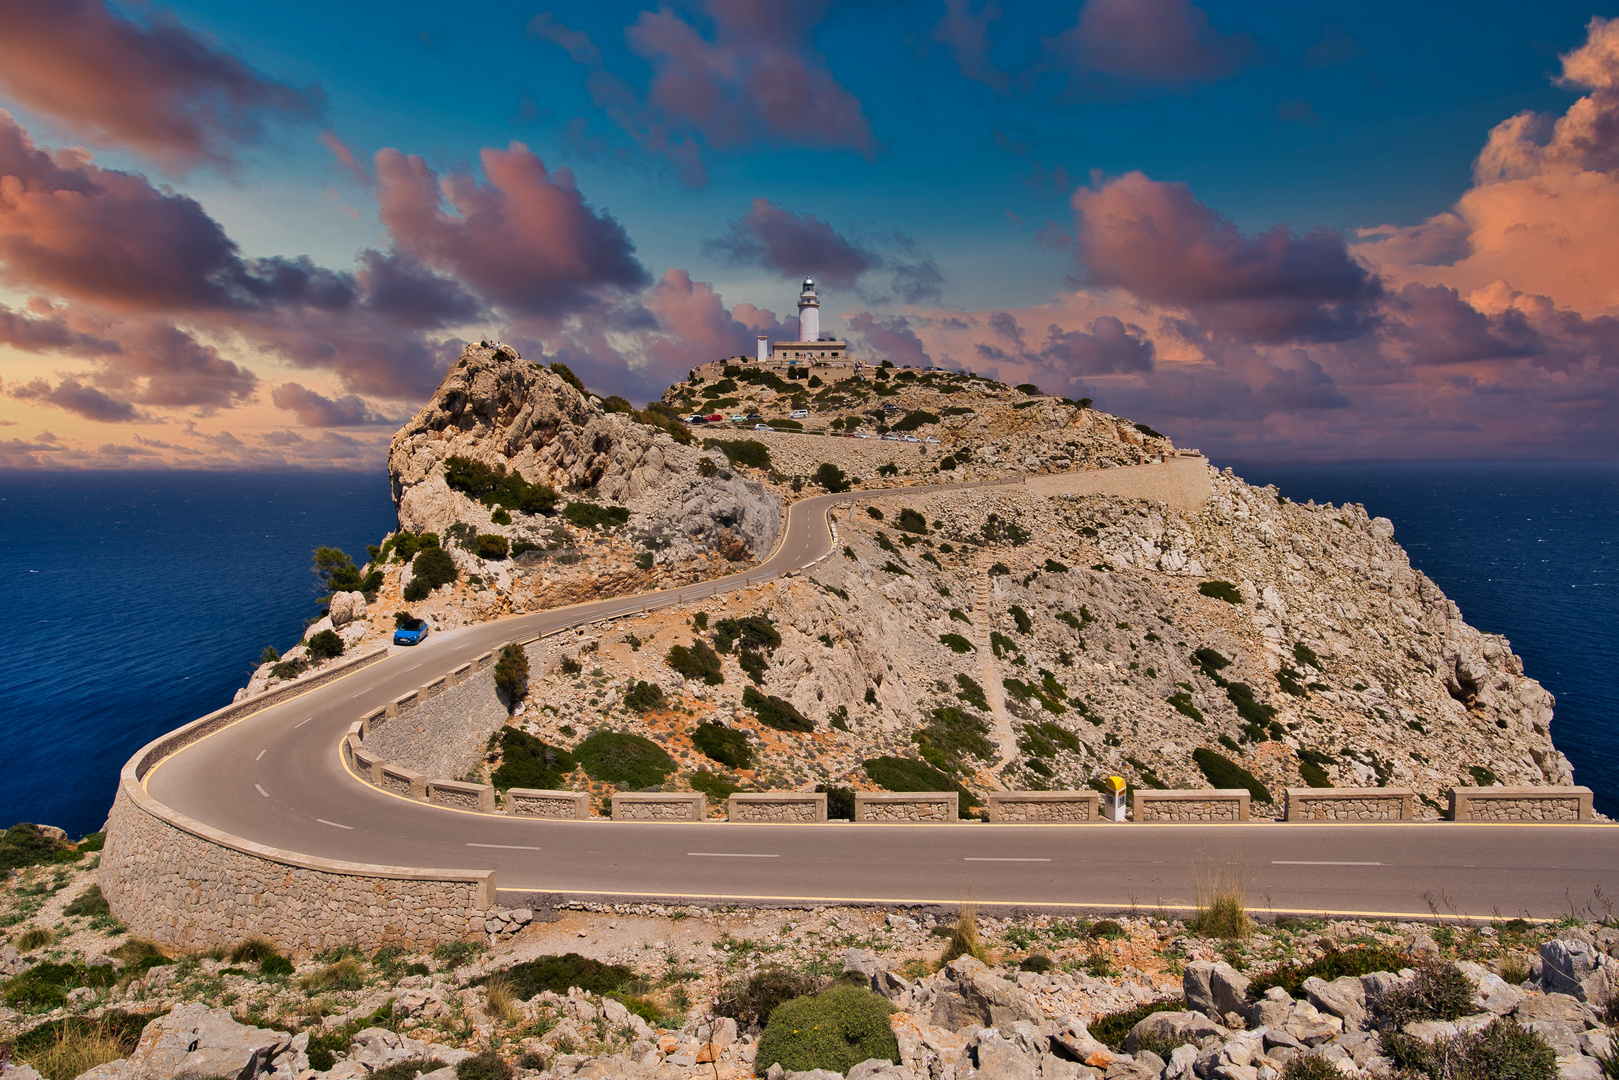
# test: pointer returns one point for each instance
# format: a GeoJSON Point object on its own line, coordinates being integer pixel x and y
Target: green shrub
{"type": "Point", "coordinates": [1039, 963]}
{"type": "Point", "coordinates": [751, 1000]}
{"type": "Point", "coordinates": [1314, 1067]}
{"type": "Point", "coordinates": [1314, 775]}
{"type": "Point", "coordinates": [1105, 929]}
{"type": "Point", "coordinates": [566, 375]}
{"type": "Point", "coordinates": [1025, 624]}
{"type": "Point", "coordinates": [1183, 705]}
{"type": "Point", "coordinates": [957, 643]}
{"type": "Point", "coordinates": [90, 903]}
{"type": "Point", "coordinates": [831, 477]}
{"type": "Point", "coordinates": [696, 662]}
{"type": "Point", "coordinates": [997, 530]}
{"type": "Point", "coordinates": [1438, 992]}
{"type": "Point", "coordinates": [971, 692]}
{"type": "Point", "coordinates": [724, 745]}
{"type": "Point", "coordinates": [1000, 569]}
{"type": "Point", "coordinates": [494, 487]}
{"type": "Point", "coordinates": [491, 546]}
{"type": "Point", "coordinates": [528, 762]}
{"type": "Point", "coordinates": [486, 1066]}
{"type": "Point", "coordinates": [950, 735]}
{"type": "Point", "coordinates": [430, 568]}
{"type": "Point", "coordinates": [589, 515]}
{"type": "Point", "coordinates": [93, 842]}
{"type": "Point", "coordinates": [915, 419]}
{"type": "Point", "coordinates": [753, 665]}
{"type": "Point", "coordinates": [1055, 567]}
{"type": "Point", "coordinates": [912, 521]}
{"type": "Point", "coordinates": [1114, 1028]}
{"type": "Point", "coordinates": [407, 1070]}
{"type": "Point", "coordinates": [454, 954]}
{"type": "Point", "coordinates": [773, 712]}
{"type": "Point", "coordinates": [1334, 964]}
{"type": "Point", "coordinates": [1483, 776]}
{"type": "Point", "coordinates": [754, 631]}
{"type": "Point", "coordinates": [1306, 656]}
{"type": "Point", "coordinates": [1222, 772]}
{"type": "Point", "coordinates": [511, 674]}
{"type": "Point", "coordinates": [716, 787]}
{"type": "Point", "coordinates": [325, 645]}
{"type": "Point", "coordinates": [337, 571]}
{"type": "Point", "coordinates": [908, 774]}
{"type": "Point", "coordinates": [746, 452]}
{"type": "Point", "coordinates": [644, 697]}
{"type": "Point", "coordinates": [1502, 1051]}
{"type": "Point", "coordinates": [835, 1030]}
{"type": "Point", "coordinates": [839, 801]}
{"type": "Point", "coordinates": [617, 757]}
{"type": "Point", "coordinates": [558, 973]}
{"type": "Point", "coordinates": [1221, 590]}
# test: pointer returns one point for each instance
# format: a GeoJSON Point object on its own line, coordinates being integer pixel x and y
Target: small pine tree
{"type": "Point", "coordinates": [511, 675]}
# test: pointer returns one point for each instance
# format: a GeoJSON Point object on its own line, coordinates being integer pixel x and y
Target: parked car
{"type": "Point", "coordinates": [753, 416]}
{"type": "Point", "coordinates": [912, 438]}
{"type": "Point", "coordinates": [799, 414]}
{"type": "Point", "coordinates": [763, 427]}
{"type": "Point", "coordinates": [740, 418]}
{"type": "Point", "coordinates": [714, 418]}
{"type": "Point", "coordinates": [410, 632]}
{"type": "Point", "coordinates": [862, 435]}
{"type": "Point", "coordinates": [891, 437]}
{"type": "Point", "coordinates": [694, 418]}
{"type": "Point", "coordinates": [930, 439]}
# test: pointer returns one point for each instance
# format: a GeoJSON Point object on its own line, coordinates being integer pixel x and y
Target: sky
{"type": "Point", "coordinates": [254, 236]}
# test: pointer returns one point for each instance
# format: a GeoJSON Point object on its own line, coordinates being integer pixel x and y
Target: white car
{"type": "Point", "coordinates": [930, 439]}
{"type": "Point", "coordinates": [798, 414]}
{"type": "Point", "coordinates": [912, 438]}
{"type": "Point", "coordinates": [891, 437]}
{"type": "Point", "coordinates": [862, 435]}
{"type": "Point", "coordinates": [763, 427]}
{"type": "Point", "coordinates": [738, 418]}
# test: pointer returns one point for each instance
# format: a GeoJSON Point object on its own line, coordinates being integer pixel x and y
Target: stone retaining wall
{"type": "Point", "coordinates": [1044, 806]}
{"type": "Point", "coordinates": [541, 803]}
{"type": "Point", "coordinates": [906, 806]}
{"type": "Point", "coordinates": [1521, 804]}
{"type": "Point", "coordinates": [1208, 805]}
{"type": "Point", "coordinates": [1350, 804]}
{"type": "Point", "coordinates": [776, 806]}
{"type": "Point", "coordinates": [443, 725]}
{"type": "Point", "coordinates": [660, 806]}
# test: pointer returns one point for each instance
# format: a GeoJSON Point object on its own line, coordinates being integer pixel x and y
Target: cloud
{"type": "Point", "coordinates": [78, 398]}
{"type": "Point", "coordinates": [964, 33]}
{"type": "Point", "coordinates": [149, 85]}
{"type": "Point", "coordinates": [579, 47]}
{"type": "Point", "coordinates": [317, 411]}
{"type": "Point", "coordinates": [1544, 204]}
{"type": "Point", "coordinates": [771, 236]}
{"type": "Point", "coordinates": [1142, 45]}
{"type": "Point", "coordinates": [1160, 243]}
{"type": "Point", "coordinates": [890, 338]}
{"type": "Point", "coordinates": [52, 333]}
{"type": "Point", "coordinates": [525, 239]}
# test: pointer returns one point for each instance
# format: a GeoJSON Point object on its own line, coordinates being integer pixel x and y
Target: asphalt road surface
{"type": "Point", "coordinates": [276, 778]}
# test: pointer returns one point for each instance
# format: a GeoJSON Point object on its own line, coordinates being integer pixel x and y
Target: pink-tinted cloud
{"type": "Point", "coordinates": [77, 398]}
{"type": "Point", "coordinates": [1138, 45]}
{"type": "Point", "coordinates": [964, 32]}
{"type": "Point", "coordinates": [1544, 204]}
{"type": "Point", "coordinates": [346, 159]}
{"type": "Point", "coordinates": [794, 245]}
{"type": "Point", "coordinates": [890, 338]}
{"type": "Point", "coordinates": [150, 85]}
{"type": "Point", "coordinates": [315, 410]}
{"type": "Point", "coordinates": [577, 44]}
{"type": "Point", "coordinates": [48, 330]}
{"type": "Point", "coordinates": [525, 239]}
{"type": "Point", "coordinates": [1160, 243]}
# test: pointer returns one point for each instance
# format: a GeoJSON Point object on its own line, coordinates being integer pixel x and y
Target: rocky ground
{"type": "Point", "coordinates": [1054, 997]}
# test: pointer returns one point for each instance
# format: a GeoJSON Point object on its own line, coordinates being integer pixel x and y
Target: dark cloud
{"type": "Point", "coordinates": [1108, 347]}
{"type": "Point", "coordinates": [145, 83]}
{"type": "Point", "coordinates": [1157, 241]}
{"type": "Point", "coordinates": [793, 245]}
{"type": "Point", "coordinates": [525, 239]}
{"type": "Point", "coordinates": [964, 32]}
{"type": "Point", "coordinates": [890, 338]}
{"type": "Point", "coordinates": [51, 333]}
{"type": "Point", "coordinates": [318, 411]}
{"type": "Point", "coordinates": [78, 398]}
{"type": "Point", "coordinates": [579, 47]}
{"type": "Point", "coordinates": [409, 294]}
{"type": "Point", "coordinates": [1132, 46]}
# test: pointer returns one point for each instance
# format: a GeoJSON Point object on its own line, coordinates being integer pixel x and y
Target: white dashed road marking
{"type": "Point", "coordinates": [334, 824]}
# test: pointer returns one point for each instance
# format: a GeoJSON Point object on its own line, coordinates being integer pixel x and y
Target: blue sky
{"type": "Point", "coordinates": [943, 156]}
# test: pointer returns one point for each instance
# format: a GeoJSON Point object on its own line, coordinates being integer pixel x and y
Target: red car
{"type": "Point", "coordinates": [714, 418]}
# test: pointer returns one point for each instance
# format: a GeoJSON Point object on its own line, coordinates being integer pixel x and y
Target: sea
{"type": "Point", "coordinates": [136, 601]}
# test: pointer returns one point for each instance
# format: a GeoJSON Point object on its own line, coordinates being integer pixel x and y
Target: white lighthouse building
{"type": "Point", "coordinates": [811, 348]}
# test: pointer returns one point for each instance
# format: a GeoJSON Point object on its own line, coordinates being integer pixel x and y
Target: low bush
{"type": "Point", "coordinates": [344, 974]}
{"type": "Point", "coordinates": [1222, 772]}
{"type": "Point", "coordinates": [716, 787]}
{"type": "Point", "coordinates": [1314, 1067]}
{"type": "Point", "coordinates": [589, 515]}
{"type": "Point", "coordinates": [774, 712]}
{"type": "Point", "coordinates": [1114, 1028]}
{"type": "Point", "coordinates": [971, 692]}
{"type": "Point", "coordinates": [644, 697]}
{"type": "Point", "coordinates": [834, 1030]}
{"type": "Point", "coordinates": [289, 669]}
{"type": "Point", "coordinates": [746, 452]}
{"type": "Point", "coordinates": [1055, 567]}
{"type": "Point", "coordinates": [915, 419]}
{"type": "Point", "coordinates": [511, 674]}
{"type": "Point", "coordinates": [485, 1066]}
{"type": "Point", "coordinates": [324, 645]}
{"type": "Point", "coordinates": [89, 903]}
{"type": "Point", "coordinates": [754, 631]}
{"type": "Point", "coordinates": [957, 643]}
{"type": "Point", "coordinates": [558, 973]}
{"type": "Point", "coordinates": [454, 954]}
{"type": "Point", "coordinates": [528, 762]}
{"type": "Point", "coordinates": [430, 568]}
{"type": "Point", "coordinates": [912, 521]}
{"type": "Point", "coordinates": [1437, 992]}
{"type": "Point", "coordinates": [724, 745]}
{"type": "Point", "coordinates": [67, 1048]}
{"type": "Point", "coordinates": [751, 1000]}
{"type": "Point", "coordinates": [830, 477]}
{"type": "Point", "coordinates": [908, 774]}
{"type": "Point", "coordinates": [839, 801]}
{"type": "Point", "coordinates": [494, 487]}
{"type": "Point", "coordinates": [617, 757]}
{"type": "Point", "coordinates": [1025, 624]}
{"type": "Point", "coordinates": [1182, 703]}
{"type": "Point", "coordinates": [35, 937]}
{"type": "Point", "coordinates": [1314, 775]}
{"type": "Point", "coordinates": [491, 546]}
{"type": "Point", "coordinates": [696, 661]}
{"type": "Point", "coordinates": [1221, 590]}
{"type": "Point", "coordinates": [407, 1070]}
{"type": "Point", "coordinates": [1502, 1051]}
{"type": "Point", "coordinates": [1039, 963]}
{"type": "Point", "coordinates": [1335, 963]}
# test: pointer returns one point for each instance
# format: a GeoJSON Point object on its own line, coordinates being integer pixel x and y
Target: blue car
{"type": "Point", "coordinates": [410, 632]}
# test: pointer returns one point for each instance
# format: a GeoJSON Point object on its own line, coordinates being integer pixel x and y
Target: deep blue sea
{"type": "Point", "coordinates": [134, 602]}
{"type": "Point", "coordinates": [137, 601]}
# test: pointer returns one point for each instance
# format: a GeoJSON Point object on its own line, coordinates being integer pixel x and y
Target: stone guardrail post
{"type": "Point", "coordinates": [1196, 805]}
{"type": "Point", "coordinates": [1350, 804]}
{"type": "Point", "coordinates": [776, 806]}
{"type": "Point", "coordinates": [461, 795]}
{"type": "Point", "coordinates": [1044, 806]}
{"type": "Point", "coordinates": [1505, 803]}
{"type": "Point", "coordinates": [932, 806]}
{"type": "Point", "coordinates": [660, 806]}
{"type": "Point", "coordinates": [541, 803]}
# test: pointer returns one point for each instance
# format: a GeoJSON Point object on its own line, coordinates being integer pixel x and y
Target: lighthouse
{"type": "Point", "coordinates": [809, 313]}
{"type": "Point", "coordinates": [810, 348]}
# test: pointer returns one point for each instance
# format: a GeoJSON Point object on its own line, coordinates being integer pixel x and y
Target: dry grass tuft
{"type": "Point", "coordinates": [964, 940]}
{"type": "Point", "coordinates": [500, 1002]}
{"type": "Point", "coordinates": [34, 938]}
{"type": "Point", "coordinates": [76, 1052]}
{"type": "Point", "coordinates": [345, 974]}
{"type": "Point", "coordinates": [252, 950]}
{"type": "Point", "coordinates": [1222, 906]}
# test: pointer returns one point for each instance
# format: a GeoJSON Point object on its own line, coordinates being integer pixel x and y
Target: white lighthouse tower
{"type": "Point", "coordinates": [809, 313]}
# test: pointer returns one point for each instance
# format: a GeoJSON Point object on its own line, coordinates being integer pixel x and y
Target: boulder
{"type": "Point", "coordinates": [1343, 997]}
{"type": "Point", "coordinates": [992, 999]}
{"type": "Point", "coordinates": [204, 1042]}
{"type": "Point", "coordinates": [1556, 1007]}
{"type": "Point", "coordinates": [1214, 989]}
{"type": "Point", "coordinates": [926, 1049]}
{"type": "Point", "coordinates": [1182, 1059]}
{"type": "Point", "coordinates": [1494, 994]}
{"type": "Point", "coordinates": [1566, 964]}
{"type": "Point", "coordinates": [1172, 1027]}
{"type": "Point", "coordinates": [346, 607]}
{"type": "Point", "coordinates": [1430, 1031]}
{"type": "Point", "coordinates": [377, 1048]}
{"type": "Point", "coordinates": [880, 1069]}
{"type": "Point", "coordinates": [1269, 1011]}
{"type": "Point", "coordinates": [1001, 1059]}
{"type": "Point", "coordinates": [1073, 1038]}
{"type": "Point", "coordinates": [24, 1072]}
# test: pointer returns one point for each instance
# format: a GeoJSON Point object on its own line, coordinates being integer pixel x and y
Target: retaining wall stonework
{"type": "Point", "coordinates": [776, 806]}
{"type": "Point", "coordinates": [1219, 804]}
{"type": "Point", "coordinates": [1044, 806]}
{"type": "Point", "coordinates": [1521, 804]}
{"type": "Point", "coordinates": [445, 728]}
{"type": "Point", "coordinates": [1350, 804]}
{"type": "Point", "coordinates": [660, 806]}
{"type": "Point", "coordinates": [540, 803]}
{"type": "Point", "coordinates": [906, 806]}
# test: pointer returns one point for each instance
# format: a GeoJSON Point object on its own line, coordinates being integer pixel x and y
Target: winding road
{"type": "Point", "coordinates": [275, 778]}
